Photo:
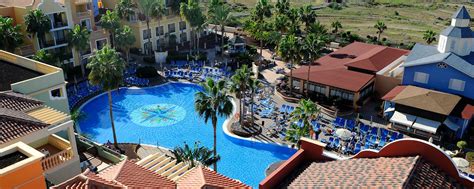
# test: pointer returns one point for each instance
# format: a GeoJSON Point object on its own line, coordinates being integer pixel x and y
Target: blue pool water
{"type": "Point", "coordinates": [164, 115]}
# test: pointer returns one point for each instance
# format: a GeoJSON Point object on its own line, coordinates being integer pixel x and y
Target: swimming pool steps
{"type": "Point", "coordinates": [164, 165]}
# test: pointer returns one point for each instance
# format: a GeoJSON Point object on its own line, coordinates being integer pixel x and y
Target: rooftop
{"type": "Point", "coordinates": [12, 73]}
{"type": "Point", "coordinates": [462, 13]}
{"type": "Point", "coordinates": [424, 99]}
{"type": "Point", "coordinates": [202, 177]}
{"type": "Point", "coordinates": [332, 69]}
{"type": "Point", "coordinates": [406, 163]}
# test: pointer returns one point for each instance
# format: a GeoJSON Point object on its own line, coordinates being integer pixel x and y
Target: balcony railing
{"type": "Point", "coordinates": [57, 159]}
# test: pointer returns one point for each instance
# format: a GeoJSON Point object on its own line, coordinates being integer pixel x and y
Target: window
{"type": "Point", "coordinates": [171, 28]}
{"type": "Point", "coordinates": [146, 34]}
{"type": "Point", "coordinates": [183, 37]}
{"type": "Point", "coordinates": [182, 25]}
{"type": "Point", "coordinates": [442, 65]}
{"type": "Point", "coordinates": [346, 95]}
{"type": "Point", "coordinates": [148, 46]}
{"type": "Point", "coordinates": [160, 31]}
{"type": "Point", "coordinates": [100, 43]}
{"type": "Point", "coordinates": [456, 84]}
{"type": "Point", "coordinates": [56, 94]}
{"type": "Point", "coordinates": [86, 23]}
{"type": "Point", "coordinates": [421, 77]}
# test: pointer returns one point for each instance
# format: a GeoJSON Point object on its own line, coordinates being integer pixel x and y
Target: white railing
{"type": "Point", "coordinates": [57, 159]}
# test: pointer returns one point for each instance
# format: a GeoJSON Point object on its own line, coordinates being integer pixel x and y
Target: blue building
{"type": "Point", "coordinates": [437, 93]}
{"type": "Point", "coordinates": [449, 66]}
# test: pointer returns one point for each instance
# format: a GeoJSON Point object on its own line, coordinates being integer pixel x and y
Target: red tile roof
{"type": "Point", "coordinates": [363, 172]}
{"type": "Point", "coordinates": [18, 102]}
{"type": "Point", "coordinates": [15, 124]}
{"type": "Point", "coordinates": [134, 176]}
{"type": "Point", "coordinates": [467, 112]}
{"type": "Point", "coordinates": [201, 177]}
{"type": "Point", "coordinates": [332, 69]}
{"type": "Point", "coordinates": [393, 93]}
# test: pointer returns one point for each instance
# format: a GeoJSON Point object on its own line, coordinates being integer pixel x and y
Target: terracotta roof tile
{"type": "Point", "coordinates": [332, 69]}
{"type": "Point", "coordinates": [356, 173]}
{"type": "Point", "coordinates": [201, 177]}
{"type": "Point", "coordinates": [14, 124]}
{"type": "Point", "coordinates": [18, 102]}
{"type": "Point", "coordinates": [426, 175]}
{"type": "Point", "coordinates": [135, 176]}
{"type": "Point", "coordinates": [467, 112]}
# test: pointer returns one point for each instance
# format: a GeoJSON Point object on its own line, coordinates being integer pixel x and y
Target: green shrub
{"type": "Point", "coordinates": [461, 144]}
{"type": "Point", "coordinates": [470, 157]}
{"type": "Point", "coordinates": [147, 72]}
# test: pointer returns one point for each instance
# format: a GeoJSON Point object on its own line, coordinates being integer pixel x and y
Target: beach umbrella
{"type": "Point", "coordinates": [460, 162]}
{"type": "Point", "coordinates": [344, 134]}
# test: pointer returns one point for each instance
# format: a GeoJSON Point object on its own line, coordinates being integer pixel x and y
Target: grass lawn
{"type": "Point", "coordinates": [406, 20]}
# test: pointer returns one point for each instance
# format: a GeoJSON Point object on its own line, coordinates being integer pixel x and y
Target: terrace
{"type": "Point", "coordinates": [12, 73]}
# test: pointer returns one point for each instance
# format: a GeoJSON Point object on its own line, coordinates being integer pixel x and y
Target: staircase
{"type": "Point", "coordinates": [164, 165]}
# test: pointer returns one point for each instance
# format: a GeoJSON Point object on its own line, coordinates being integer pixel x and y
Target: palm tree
{"type": "Point", "coordinates": [10, 35]}
{"type": "Point", "coordinates": [281, 23]}
{"type": "Point", "coordinates": [254, 85]}
{"type": "Point", "coordinates": [148, 9]}
{"type": "Point", "coordinates": [125, 8]}
{"type": "Point", "coordinates": [110, 21]}
{"type": "Point", "coordinates": [263, 10]}
{"type": "Point", "coordinates": [221, 16]}
{"type": "Point", "coordinates": [306, 111]}
{"type": "Point", "coordinates": [76, 116]}
{"type": "Point", "coordinates": [289, 50]}
{"type": "Point", "coordinates": [158, 12]}
{"type": "Point", "coordinates": [317, 28]}
{"type": "Point", "coordinates": [45, 57]}
{"type": "Point", "coordinates": [37, 23]}
{"type": "Point", "coordinates": [307, 15]}
{"type": "Point", "coordinates": [107, 71]}
{"type": "Point", "coordinates": [125, 39]}
{"type": "Point", "coordinates": [79, 40]}
{"type": "Point", "coordinates": [429, 36]}
{"type": "Point", "coordinates": [312, 46]}
{"type": "Point", "coordinates": [336, 25]}
{"type": "Point", "coordinates": [192, 13]}
{"type": "Point", "coordinates": [211, 103]}
{"type": "Point", "coordinates": [239, 85]}
{"type": "Point", "coordinates": [294, 134]}
{"type": "Point", "coordinates": [198, 154]}
{"type": "Point", "coordinates": [381, 27]}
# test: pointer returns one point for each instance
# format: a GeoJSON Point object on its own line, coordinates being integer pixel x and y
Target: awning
{"type": "Point", "coordinates": [402, 118]}
{"type": "Point", "coordinates": [391, 109]}
{"type": "Point", "coordinates": [451, 125]}
{"type": "Point", "coordinates": [426, 125]}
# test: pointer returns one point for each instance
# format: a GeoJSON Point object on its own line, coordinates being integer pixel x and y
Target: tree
{"type": "Point", "coordinates": [294, 17]}
{"type": "Point", "coordinates": [381, 27]}
{"type": "Point", "coordinates": [307, 15]}
{"type": "Point", "coordinates": [211, 103]}
{"type": "Point", "coordinates": [254, 85]}
{"type": "Point", "coordinates": [198, 154]}
{"type": "Point", "coordinates": [107, 71]}
{"type": "Point", "coordinates": [76, 116]}
{"type": "Point", "coordinates": [125, 39]}
{"type": "Point", "coordinates": [221, 16]}
{"type": "Point", "coordinates": [282, 6]}
{"type": "Point", "coordinates": [192, 13]}
{"type": "Point", "coordinates": [336, 25]}
{"type": "Point", "coordinates": [461, 145]}
{"type": "Point", "coordinates": [289, 50]}
{"type": "Point", "coordinates": [79, 40]}
{"type": "Point", "coordinates": [158, 12]}
{"type": "Point", "coordinates": [280, 23]}
{"type": "Point", "coordinates": [45, 57]}
{"type": "Point", "coordinates": [312, 46]}
{"type": "Point", "coordinates": [239, 85]}
{"type": "Point", "coordinates": [429, 36]}
{"type": "Point", "coordinates": [125, 8]}
{"type": "Point", "coordinates": [262, 10]}
{"type": "Point", "coordinates": [306, 111]}
{"type": "Point", "coordinates": [110, 21]}
{"type": "Point", "coordinates": [10, 35]}
{"type": "Point", "coordinates": [148, 9]}
{"type": "Point", "coordinates": [317, 28]}
{"type": "Point", "coordinates": [37, 23]}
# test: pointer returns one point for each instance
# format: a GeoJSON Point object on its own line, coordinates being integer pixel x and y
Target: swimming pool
{"type": "Point", "coordinates": [164, 115]}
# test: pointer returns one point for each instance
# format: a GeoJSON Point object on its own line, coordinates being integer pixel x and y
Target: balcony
{"type": "Point", "coordinates": [80, 2]}
{"type": "Point", "coordinates": [56, 150]}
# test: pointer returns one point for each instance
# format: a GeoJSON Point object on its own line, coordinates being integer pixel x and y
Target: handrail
{"type": "Point", "coordinates": [57, 159]}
